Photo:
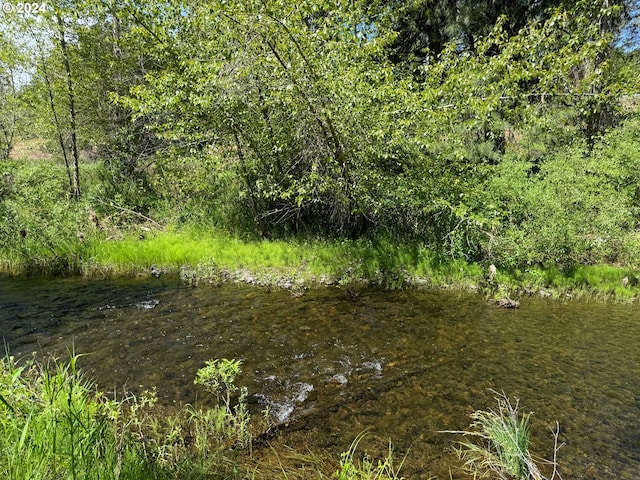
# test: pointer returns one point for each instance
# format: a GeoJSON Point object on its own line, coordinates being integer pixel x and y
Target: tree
{"type": "Point", "coordinates": [286, 92]}
{"type": "Point", "coordinates": [79, 56]}
{"type": "Point", "coordinates": [71, 98]}
{"type": "Point", "coordinates": [425, 27]}
{"type": "Point", "coordinates": [10, 110]}
{"type": "Point", "coordinates": [43, 37]}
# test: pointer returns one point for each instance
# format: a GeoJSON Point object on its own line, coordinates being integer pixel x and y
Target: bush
{"type": "Point", "coordinates": [565, 209]}
{"type": "Point", "coordinates": [41, 228]}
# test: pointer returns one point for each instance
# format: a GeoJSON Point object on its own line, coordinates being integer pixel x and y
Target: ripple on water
{"type": "Point", "coordinates": [148, 304]}
{"type": "Point", "coordinates": [284, 398]}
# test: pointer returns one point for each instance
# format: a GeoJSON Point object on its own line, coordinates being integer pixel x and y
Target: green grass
{"type": "Point", "coordinates": [366, 468]}
{"type": "Point", "coordinates": [172, 250]}
{"type": "Point", "coordinates": [381, 262]}
{"type": "Point", "coordinates": [501, 449]}
{"type": "Point", "coordinates": [55, 425]}
{"type": "Point", "coordinates": [217, 257]}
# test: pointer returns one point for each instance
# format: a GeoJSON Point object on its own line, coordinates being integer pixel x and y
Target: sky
{"type": "Point", "coordinates": [629, 38]}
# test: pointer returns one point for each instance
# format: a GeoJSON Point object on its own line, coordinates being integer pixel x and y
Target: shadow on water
{"type": "Point", "coordinates": [403, 364]}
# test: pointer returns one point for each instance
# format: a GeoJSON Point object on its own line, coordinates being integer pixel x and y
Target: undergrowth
{"type": "Point", "coordinates": [55, 425]}
{"type": "Point", "coordinates": [42, 231]}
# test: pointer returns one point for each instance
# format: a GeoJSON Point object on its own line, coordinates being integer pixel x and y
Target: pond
{"type": "Point", "coordinates": [332, 363]}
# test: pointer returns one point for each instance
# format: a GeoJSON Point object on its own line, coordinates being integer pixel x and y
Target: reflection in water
{"type": "Point", "coordinates": [404, 364]}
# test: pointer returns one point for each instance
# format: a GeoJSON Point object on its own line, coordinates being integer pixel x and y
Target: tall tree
{"type": "Point", "coordinates": [71, 99]}
{"type": "Point", "coordinates": [79, 55]}
{"type": "Point", "coordinates": [10, 110]}
{"type": "Point", "coordinates": [287, 88]}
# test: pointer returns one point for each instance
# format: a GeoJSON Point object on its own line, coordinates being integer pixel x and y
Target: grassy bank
{"type": "Point", "coordinates": [55, 425]}
{"type": "Point", "coordinates": [210, 257]}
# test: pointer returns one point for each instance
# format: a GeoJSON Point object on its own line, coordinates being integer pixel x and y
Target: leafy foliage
{"type": "Point", "coordinates": [11, 110]}
{"type": "Point", "coordinates": [39, 227]}
{"type": "Point", "coordinates": [291, 118]}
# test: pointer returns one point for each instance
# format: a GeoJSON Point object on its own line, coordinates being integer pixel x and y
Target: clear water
{"type": "Point", "coordinates": [405, 365]}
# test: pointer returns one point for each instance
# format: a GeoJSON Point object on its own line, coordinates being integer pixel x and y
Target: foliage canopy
{"type": "Point", "coordinates": [343, 119]}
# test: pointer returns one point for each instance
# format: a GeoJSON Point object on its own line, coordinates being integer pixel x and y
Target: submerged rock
{"type": "Point", "coordinates": [148, 304]}
{"type": "Point", "coordinates": [506, 302]}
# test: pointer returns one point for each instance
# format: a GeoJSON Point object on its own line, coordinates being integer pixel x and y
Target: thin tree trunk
{"type": "Point", "coordinates": [56, 120]}
{"type": "Point", "coordinates": [6, 150]}
{"type": "Point", "coordinates": [245, 173]}
{"type": "Point", "coordinates": [9, 129]}
{"type": "Point", "coordinates": [72, 111]}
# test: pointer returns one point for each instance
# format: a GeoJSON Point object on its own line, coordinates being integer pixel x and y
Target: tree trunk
{"type": "Point", "coordinates": [56, 120]}
{"type": "Point", "coordinates": [253, 199]}
{"type": "Point", "coordinates": [9, 130]}
{"type": "Point", "coordinates": [72, 111]}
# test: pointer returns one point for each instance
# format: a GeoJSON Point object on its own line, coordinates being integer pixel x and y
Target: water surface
{"type": "Point", "coordinates": [405, 365]}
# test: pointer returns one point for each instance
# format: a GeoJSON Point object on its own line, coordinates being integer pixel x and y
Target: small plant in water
{"type": "Point", "coordinates": [350, 469]}
{"type": "Point", "coordinates": [502, 448]}
{"type": "Point", "coordinates": [218, 378]}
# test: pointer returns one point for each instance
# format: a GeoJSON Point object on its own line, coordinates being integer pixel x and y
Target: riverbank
{"type": "Point", "coordinates": [212, 258]}
{"type": "Point", "coordinates": [186, 217]}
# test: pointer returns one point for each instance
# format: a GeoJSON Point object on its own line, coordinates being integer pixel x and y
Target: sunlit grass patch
{"type": "Point", "coordinates": [380, 262]}
{"type": "Point", "coordinates": [358, 260]}
{"type": "Point", "coordinates": [166, 249]}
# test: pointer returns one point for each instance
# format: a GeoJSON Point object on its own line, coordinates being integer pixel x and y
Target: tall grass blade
{"type": "Point", "coordinates": [502, 446]}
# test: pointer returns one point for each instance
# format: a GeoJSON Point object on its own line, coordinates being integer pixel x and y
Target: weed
{"type": "Point", "coordinates": [55, 425]}
{"type": "Point", "coordinates": [366, 469]}
{"type": "Point", "coordinates": [217, 378]}
{"type": "Point", "coordinates": [503, 444]}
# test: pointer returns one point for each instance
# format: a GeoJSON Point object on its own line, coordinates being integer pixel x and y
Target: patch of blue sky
{"type": "Point", "coordinates": [629, 37]}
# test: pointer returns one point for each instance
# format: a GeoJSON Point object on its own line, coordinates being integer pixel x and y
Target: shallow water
{"type": "Point", "coordinates": [405, 365]}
